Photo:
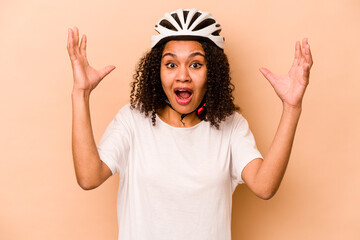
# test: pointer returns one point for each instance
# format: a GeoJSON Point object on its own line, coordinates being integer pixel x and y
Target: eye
{"type": "Point", "coordinates": [196, 65]}
{"type": "Point", "coordinates": [170, 65]}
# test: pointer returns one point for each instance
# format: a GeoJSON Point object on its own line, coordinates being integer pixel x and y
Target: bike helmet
{"type": "Point", "coordinates": [188, 24]}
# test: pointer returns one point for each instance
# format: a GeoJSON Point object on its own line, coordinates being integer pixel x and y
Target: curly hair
{"type": "Point", "coordinates": [147, 94]}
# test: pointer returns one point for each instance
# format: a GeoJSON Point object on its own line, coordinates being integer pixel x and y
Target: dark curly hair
{"type": "Point", "coordinates": [147, 94]}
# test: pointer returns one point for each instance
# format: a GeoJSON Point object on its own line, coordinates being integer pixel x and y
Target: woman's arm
{"type": "Point", "coordinates": [263, 177]}
{"type": "Point", "coordinates": [90, 170]}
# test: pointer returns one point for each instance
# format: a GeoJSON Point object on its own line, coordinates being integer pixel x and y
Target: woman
{"type": "Point", "coordinates": [179, 147]}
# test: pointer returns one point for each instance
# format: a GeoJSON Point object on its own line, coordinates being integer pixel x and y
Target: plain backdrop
{"type": "Point", "coordinates": [39, 197]}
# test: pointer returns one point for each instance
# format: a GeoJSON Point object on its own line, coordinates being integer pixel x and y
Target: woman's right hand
{"type": "Point", "coordinates": [86, 78]}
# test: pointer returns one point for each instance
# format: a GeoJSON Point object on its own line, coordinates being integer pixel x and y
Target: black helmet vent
{"type": "Point", "coordinates": [204, 24]}
{"type": "Point", "coordinates": [185, 15]}
{"type": "Point", "coordinates": [196, 15]}
{"type": "Point", "coordinates": [216, 33]}
{"type": "Point", "coordinates": [176, 17]}
{"type": "Point", "coordinates": [167, 24]}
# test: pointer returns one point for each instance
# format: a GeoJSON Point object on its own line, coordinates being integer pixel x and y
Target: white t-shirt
{"type": "Point", "coordinates": [176, 183]}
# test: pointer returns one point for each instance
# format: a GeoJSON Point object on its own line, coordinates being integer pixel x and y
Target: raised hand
{"type": "Point", "coordinates": [86, 78]}
{"type": "Point", "coordinates": [291, 87]}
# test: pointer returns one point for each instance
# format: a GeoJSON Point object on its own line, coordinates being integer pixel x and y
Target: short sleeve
{"type": "Point", "coordinates": [114, 145]}
{"type": "Point", "coordinates": [243, 148]}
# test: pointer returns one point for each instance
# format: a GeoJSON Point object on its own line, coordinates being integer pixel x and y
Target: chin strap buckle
{"type": "Point", "coordinates": [200, 109]}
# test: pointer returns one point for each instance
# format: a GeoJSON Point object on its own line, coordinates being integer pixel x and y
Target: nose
{"type": "Point", "coordinates": [183, 74]}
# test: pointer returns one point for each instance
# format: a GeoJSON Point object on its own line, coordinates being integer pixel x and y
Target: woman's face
{"type": "Point", "coordinates": [183, 74]}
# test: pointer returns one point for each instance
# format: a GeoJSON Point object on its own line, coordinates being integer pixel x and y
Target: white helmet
{"type": "Point", "coordinates": [187, 24]}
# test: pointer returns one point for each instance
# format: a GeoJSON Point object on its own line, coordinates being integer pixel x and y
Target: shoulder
{"type": "Point", "coordinates": [235, 120]}
{"type": "Point", "coordinates": [129, 116]}
{"type": "Point", "coordinates": [124, 116]}
{"type": "Point", "coordinates": [127, 111]}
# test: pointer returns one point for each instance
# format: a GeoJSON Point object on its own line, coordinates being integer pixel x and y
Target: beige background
{"type": "Point", "coordinates": [39, 197]}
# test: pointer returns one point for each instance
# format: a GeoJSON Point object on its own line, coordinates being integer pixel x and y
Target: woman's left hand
{"type": "Point", "coordinates": [291, 87]}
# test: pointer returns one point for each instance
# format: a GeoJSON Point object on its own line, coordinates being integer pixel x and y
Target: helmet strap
{"type": "Point", "coordinates": [198, 110]}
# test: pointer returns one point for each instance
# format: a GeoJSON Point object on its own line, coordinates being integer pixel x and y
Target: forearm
{"type": "Point", "coordinates": [272, 169]}
{"type": "Point", "coordinates": [86, 158]}
{"type": "Point", "coordinates": [264, 177]}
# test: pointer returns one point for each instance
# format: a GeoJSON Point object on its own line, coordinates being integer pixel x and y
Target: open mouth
{"type": "Point", "coordinates": [183, 95]}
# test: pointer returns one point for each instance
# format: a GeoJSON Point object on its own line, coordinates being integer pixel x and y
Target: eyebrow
{"type": "Point", "coordinates": [191, 55]}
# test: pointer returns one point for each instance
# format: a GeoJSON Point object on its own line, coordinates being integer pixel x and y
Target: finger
{"type": "Point", "coordinates": [106, 70]}
{"type": "Point", "coordinates": [83, 45]}
{"type": "Point", "coordinates": [297, 54]}
{"type": "Point", "coordinates": [308, 55]}
{"type": "Point", "coordinates": [303, 44]}
{"type": "Point", "coordinates": [268, 75]}
{"type": "Point", "coordinates": [76, 41]}
{"type": "Point", "coordinates": [70, 45]}
{"type": "Point", "coordinates": [69, 39]}
{"type": "Point", "coordinates": [76, 36]}
{"type": "Point", "coordinates": [303, 49]}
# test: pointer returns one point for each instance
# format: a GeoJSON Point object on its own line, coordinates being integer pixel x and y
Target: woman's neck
{"type": "Point", "coordinates": [173, 118]}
